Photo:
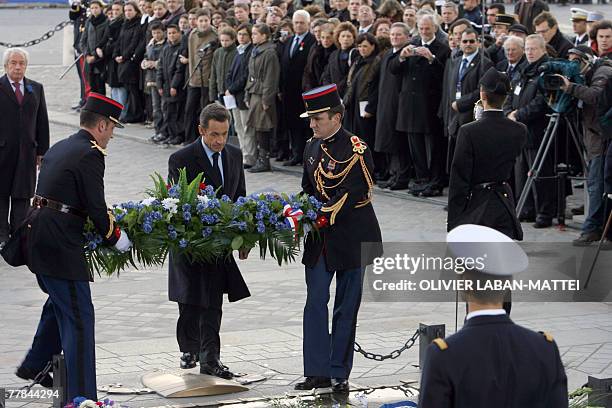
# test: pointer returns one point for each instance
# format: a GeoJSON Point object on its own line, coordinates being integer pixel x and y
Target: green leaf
{"type": "Point", "coordinates": [237, 242]}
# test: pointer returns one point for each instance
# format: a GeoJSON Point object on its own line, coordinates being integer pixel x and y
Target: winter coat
{"type": "Point", "coordinates": [237, 76]}
{"type": "Point", "coordinates": [221, 63]}
{"type": "Point", "coordinates": [131, 47]}
{"type": "Point", "coordinates": [114, 28]}
{"type": "Point", "coordinates": [199, 40]}
{"type": "Point", "coordinates": [318, 58]}
{"type": "Point", "coordinates": [170, 72]}
{"type": "Point", "coordinates": [95, 35]}
{"type": "Point", "coordinates": [337, 69]}
{"type": "Point", "coordinates": [262, 87]}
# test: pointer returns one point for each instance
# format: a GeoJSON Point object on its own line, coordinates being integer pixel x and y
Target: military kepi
{"type": "Point", "coordinates": [104, 106]}
{"type": "Point", "coordinates": [320, 99]}
{"type": "Point", "coordinates": [495, 82]}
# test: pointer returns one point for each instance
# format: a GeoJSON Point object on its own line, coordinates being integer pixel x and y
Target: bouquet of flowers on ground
{"type": "Point", "coordinates": [188, 219]}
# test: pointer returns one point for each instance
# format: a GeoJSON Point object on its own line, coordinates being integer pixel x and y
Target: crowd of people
{"type": "Point", "coordinates": [408, 77]}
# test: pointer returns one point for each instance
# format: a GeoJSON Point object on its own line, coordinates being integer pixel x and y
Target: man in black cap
{"type": "Point", "coordinates": [518, 30]}
{"type": "Point", "coordinates": [491, 361]}
{"type": "Point", "coordinates": [337, 171]}
{"type": "Point", "coordinates": [597, 75]}
{"type": "Point", "coordinates": [495, 51]}
{"type": "Point", "coordinates": [484, 160]}
{"type": "Point", "coordinates": [70, 190]}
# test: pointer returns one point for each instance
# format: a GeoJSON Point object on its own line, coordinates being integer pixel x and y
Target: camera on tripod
{"type": "Point", "coordinates": [551, 83]}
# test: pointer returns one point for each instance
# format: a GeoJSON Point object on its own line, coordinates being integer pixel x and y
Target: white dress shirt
{"type": "Point", "coordinates": [485, 312]}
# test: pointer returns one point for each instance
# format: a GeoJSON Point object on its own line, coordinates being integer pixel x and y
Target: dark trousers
{"type": "Point", "coordinates": [197, 98]}
{"type": "Point", "coordinates": [197, 329]}
{"type": "Point", "coordinates": [541, 200]}
{"type": "Point", "coordinates": [10, 222]}
{"type": "Point", "coordinates": [96, 82]}
{"type": "Point", "coordinates": [400, 163]}
{"type": "Point", "coordinates": [426, 152]}
{"type": "Point", "coordinates": [263, 140]}
{"type": "Point", "coordinates": [173, 119]}
{"type": "Point", "coordinates": [134, 110]}
{"type": "Point", "coordinates": [325, 355]}
{"type": "Point", "coordinates": [298, 136]}
{"type": "Point", "coordinates": [67, 323]}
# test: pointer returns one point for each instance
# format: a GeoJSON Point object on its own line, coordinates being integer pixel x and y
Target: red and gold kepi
{"type": "Point", "coordinates": [104, 106]}
{"type": "Point", "coordinates": [320, 99]}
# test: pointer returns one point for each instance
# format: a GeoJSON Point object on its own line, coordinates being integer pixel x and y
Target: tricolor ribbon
{"type": "Point", "coordinates": [293, 216]}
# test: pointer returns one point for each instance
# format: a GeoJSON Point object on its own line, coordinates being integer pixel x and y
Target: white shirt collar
{"type": "Point", "coordinates": [428, 42]}
{"type": "Point", "coordinates": [364, 29]}
{"type": "Point", "coordinates": [486, 312]}
{"type": "Point", "coordinates": [471, 57]}
{"type": "Point", "coordinates": [493, 110]}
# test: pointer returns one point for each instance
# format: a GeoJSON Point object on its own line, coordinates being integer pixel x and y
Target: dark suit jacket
{"type": "Point", "coordinates": [486, 151]}
{"type": "Point", "coordinates": [470, 90]}
{"type": "Point", "coordinates": [72, 173]}
{"type": "Point", "coordinates": [24, 134]}
{"type": "Point", "coordinates": [493, 362]}
{"type": "Point", "coordinates": [196, 283]}
{"type": "Point", "coordinates": [502, 66]}
{"type": "Point", "coordinates": [292, 71]}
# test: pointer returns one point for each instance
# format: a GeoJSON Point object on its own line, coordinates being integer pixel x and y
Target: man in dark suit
{"type": "Point", "coordinates": [421, 67]}
{"type": "Point", "coordinates": [24, 139]}
{"type": "Point", "coordinates": [484, 159]}
{"type": "Point", "coordinates": [512, 65]}
{"type": "Point", "coordinates": [70, 190]}
{"type": "Point", "coordinates": [198, 288]}
{"type": "Point", "coordinates": [491, 361]}
{"type": "Point", "coordinates": [349, 222]}
{"type": "Point", "coordinates": [293, 61]}
{"type": "Point", "coordinates": [546, 25]}
{"type": "Point", "coordinates": [462, 77]}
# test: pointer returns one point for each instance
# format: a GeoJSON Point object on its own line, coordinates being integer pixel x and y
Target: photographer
{"type": "Point", "coordinates": [527, 104]}
{"type": "Point", "coordinates": [597, 74]}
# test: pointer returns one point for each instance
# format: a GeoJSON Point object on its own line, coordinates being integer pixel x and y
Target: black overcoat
{"type": "Point", "coordinates": [386, 105]}
{"type": "Point", "coordinates": [130, 46]}
{"type": "Point", "coordinates": [194, 283]}
{"type": "Point", "coordinates": [24, 134]}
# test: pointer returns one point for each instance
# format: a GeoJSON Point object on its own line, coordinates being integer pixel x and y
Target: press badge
{"type": "Point", "coordinates": [517, 90]}
{"type": "Point", "coordinates": [457, 95]}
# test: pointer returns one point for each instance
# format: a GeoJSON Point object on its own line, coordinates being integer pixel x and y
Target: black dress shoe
{"type": "Point", "coordinates": [26, 373]}
{"type": "Point", "coordinates": [527, 218]}
{"type": "Point", "coordinates": [189, 360]}
{"type": "Point", "coordinates": [292, 162]}
{"type": "Point", "coordinates": [431, 191]}
{"type": "Point", "coordinates": [542, 223]}
{"type": "Point", "coordinates": [340, 385]}
{"type": "Point", "coordinates": [174, 141]}
{"type": "Point", "coordinates": [313, 382]}
{"type": "Point", "coordinates": [217, 369]}
{"type": "Point", "coordinates": [398, 186]}
{"type": "Point", "coordinates": [247, 166]}
{"type": "Point", "coordinates": [386, 183]}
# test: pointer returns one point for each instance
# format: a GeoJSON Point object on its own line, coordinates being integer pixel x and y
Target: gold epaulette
{"type": "Point", "coordinates": [358, 145]}
{"type": "Point", "coordinates": [111, 222]}
{"type": "Point", "coordinates": [96, 146]}
{"type": "Point", "coordinates": [440, 343]}
{"type": "Point", "coordinates": [547, 336]}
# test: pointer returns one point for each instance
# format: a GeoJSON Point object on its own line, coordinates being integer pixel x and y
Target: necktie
{"type": "Point", "coordinates": [18, 93]}
{"type": "Point", "coordinates": [216, 170]}
{"type": "Point", "coordinates": [462, 68]}
{"type": "Point", "coordinates": [294, 45]}
{"type": "Point", "coordinates": [510, 71]}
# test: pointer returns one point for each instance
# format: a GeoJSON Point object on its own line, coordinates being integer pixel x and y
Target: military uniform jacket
{"type": "Point", "coordinates": [337, 172]}
{"type": "Point", "coordinates": [72, 173]}
{"type": "Point", "coordinates": [198, 283]}
{"type": "Point", "coordinates": [492, 362]}
{"type": "Point", "coordinates": [486, 151]}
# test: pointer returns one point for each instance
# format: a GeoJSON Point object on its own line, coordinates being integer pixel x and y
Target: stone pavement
{"type": "Point", "coordinates": [262, 334]}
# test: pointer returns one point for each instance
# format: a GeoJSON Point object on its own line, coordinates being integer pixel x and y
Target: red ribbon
{"type": "Point", "coordinates": [293, 216]}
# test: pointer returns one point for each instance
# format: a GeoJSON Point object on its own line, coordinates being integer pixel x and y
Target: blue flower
{"type": "Point", "coordinates": [156, 215]}
{"type": "Point", "coordinates": [259, 215]}
{"type": "Point", "coordinates": [261, 228]}
{"type": "Point", "coordinates": [281, 226]}
{"type": "Point", "coordinates": [119, 217]}
{"type": "Point", "coordinates": [241, 200]}
{"type": "Point", "coordinates": [29, 88]}
{"type": "Point", "coordinates": [92, 245]}
{"type": "Point", "coordinates": [172, 234]}
{"type": "Point", "coordinates": [183, 243]}
{"type": "Point", "coordinates": [186, 207]}
{"type": "Point", "coordinates": [273, 218]}
{"type": "Point", "coordinates": [98, 239]}
{"type": "Point", "coordinates": [187, 216]}
{"type": "Point", "coordinates": [314, 202]}
{"type": "Point", "coordinates": [174, 191]}
{"type": "Point", "coordinates": [210, 219]}
{"type": "Point", "coordinates": [311, 214]}
{"type": "Point", "coordinates": [147, 228]}
{"type": "Point", "coordinates": [226, 199]}
{"type": "Point", "coordinates": [200, 207]}
{"type": "Point", "coordinates": [209, 190]}
{"type": "Point", "coordinates": [242, 226]}
{"type": "Point", "coordinates": [213, 203]}
{"type": "Point", "coordinates": [170, 227]}
{"type": "Point", "coordinates": [206, 232]}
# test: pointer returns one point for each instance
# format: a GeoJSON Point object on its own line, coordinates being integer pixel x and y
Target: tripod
{"type": "Point", "coordinates": [561, 169]}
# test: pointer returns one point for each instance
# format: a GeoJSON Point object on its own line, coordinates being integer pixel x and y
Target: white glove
{"type": "Point", "coordinates": [123, 244]}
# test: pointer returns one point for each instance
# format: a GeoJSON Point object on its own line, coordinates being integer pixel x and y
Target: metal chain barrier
{"type": "Point", "coordinates": [44, 37]}
{"type": "Point", "coordinates": [393, 355]}
{"type": "Point", "coordinates": [38, 377]}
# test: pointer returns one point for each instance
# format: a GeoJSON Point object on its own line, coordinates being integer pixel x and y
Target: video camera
{"type": "Point", "coordinates": [551, 84]}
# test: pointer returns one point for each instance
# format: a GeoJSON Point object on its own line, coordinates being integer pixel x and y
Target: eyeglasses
{"type": "Point", "coordinates": [541, 32]}
{"type": "Point", "coordinates": [468, 41]}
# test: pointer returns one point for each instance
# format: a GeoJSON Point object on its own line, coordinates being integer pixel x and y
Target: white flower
{"type": "Point", "coordinates": [148, 201]}
{"type": "Point", "coordinates": [88, 404]}
{"type": "Point", "coordinates": [170, 204]}
{"type": "Point", "coordinates": [203, 199]}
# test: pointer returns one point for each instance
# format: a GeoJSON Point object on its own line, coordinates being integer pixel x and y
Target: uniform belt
{"type": "Point", "coordinates": [489, 185]}
{"type": "Point", "coordinates": [56, 205]}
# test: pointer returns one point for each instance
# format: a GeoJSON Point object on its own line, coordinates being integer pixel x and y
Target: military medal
{"type": "Point", "coordinates": [331, 165]}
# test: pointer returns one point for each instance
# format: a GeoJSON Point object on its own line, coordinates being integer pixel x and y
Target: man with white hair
{"type": "Point", "coordinates": [293, 60]}
{"type": "Point", "coordinates": [24, 139]}
{"type": "Point", "coordinates": [514, 49]}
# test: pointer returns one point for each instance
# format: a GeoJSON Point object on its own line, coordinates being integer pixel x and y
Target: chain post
{"type": "Point", "coordinates": [428, 334]}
